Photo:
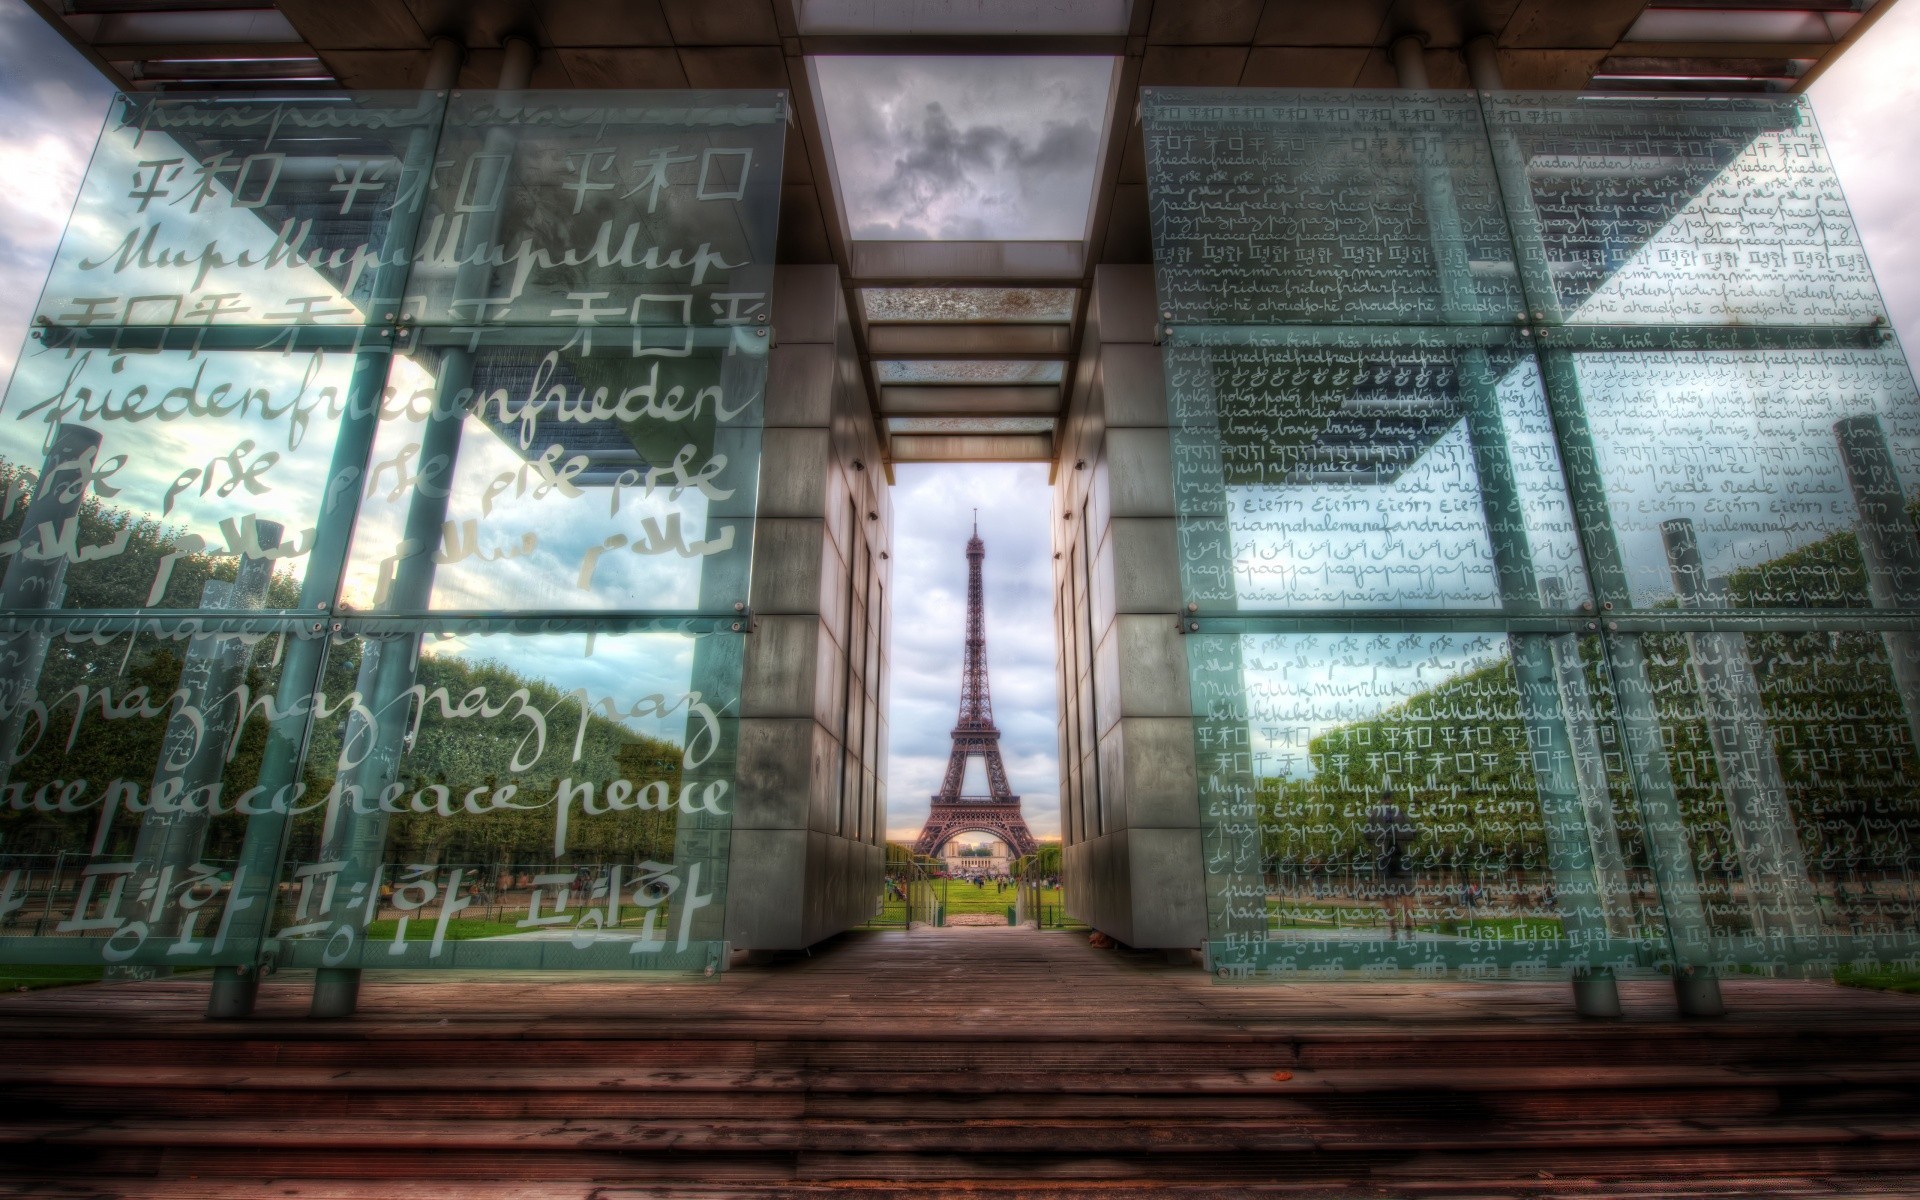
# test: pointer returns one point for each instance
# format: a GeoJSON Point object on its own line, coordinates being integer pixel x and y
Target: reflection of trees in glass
{"type": "Point", "coordinates": [461, 754]}
{"type": "Point", "coordinates": [1834, 717]}
{"type": "Point", "coordinates": [1453, 756]}
{"type": "Point", "coordinates": [124, 579]}
{"type": "Point", "coordinates": [125, 748]}
{"type": "Point", "coordinates": [1839, 734]}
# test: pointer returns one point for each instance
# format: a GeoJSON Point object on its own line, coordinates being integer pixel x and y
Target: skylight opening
{"type": "Point", "coordinates": [998, 306]}
{"type": "Point", "coordinates": [964, 425]}
{"type": "Point", "coordinates": [962, 148]}
{"type": "Point", "coordinates": [1000, 17]}
{"type": "Point", "coordinates": [965, 371]}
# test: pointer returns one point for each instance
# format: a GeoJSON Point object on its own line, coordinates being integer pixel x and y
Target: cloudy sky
{"type": "Point", "coordinates": [964, 149]}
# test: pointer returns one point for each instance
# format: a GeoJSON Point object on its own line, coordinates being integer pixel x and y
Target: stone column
{"type": "Point", "coordinates": [809, 827]}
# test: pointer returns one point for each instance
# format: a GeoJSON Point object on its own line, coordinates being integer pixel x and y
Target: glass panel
{"type": "Point", "coordinates": [514, 800]}
{"type": "Point", "coordinates": [227, 411]}
{"type": "Point", "coordinates": [1792, 757]}
{"type": "Point", "coordinates": [136, 760]}
{"type": "Point", "coordinates": [602, 208]}
{"type": "Point", "coordinates": [173, 479]}
{"type": "Point", "coordinates": [967, 371]}
{"type": "Point", "coordinates": [1733, 478]}
{"type": "Point", "coordinates": [1325, 207]}
{"type": "Point", "coordinates": [1720, 211]}
{"type": "Point", "coordinates": [991, 305]}
{"type": "Point", "coordinates": [1367, 473]}
{"type": "Point", "coordinates": [969, 424]}
{"type": "Point", "coordinates": [530, 470]}
{"type": "Point", "coordinates": [1434, 801]}
{"type": "Point", "coordinates": [224, 210]}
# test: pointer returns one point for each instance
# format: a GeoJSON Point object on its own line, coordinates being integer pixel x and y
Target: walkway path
{"type": "Point", "coordinates": [1010, 1060]}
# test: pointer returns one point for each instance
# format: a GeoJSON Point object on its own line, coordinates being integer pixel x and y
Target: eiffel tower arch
{"type": "Point", "coordinates": [998, 812]}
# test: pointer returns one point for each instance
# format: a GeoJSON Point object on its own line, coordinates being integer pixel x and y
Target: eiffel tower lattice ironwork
{"type": "Point", "coordinates": [974, 733]}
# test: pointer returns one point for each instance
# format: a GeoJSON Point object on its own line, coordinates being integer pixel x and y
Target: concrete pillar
{"type": "Point", "coordinates": [1133, 859]}
{"type": "Point", "coordinates": [809, 827]}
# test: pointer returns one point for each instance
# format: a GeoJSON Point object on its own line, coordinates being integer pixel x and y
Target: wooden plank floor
{"type": "Point", "coordinates": [960, 1061]}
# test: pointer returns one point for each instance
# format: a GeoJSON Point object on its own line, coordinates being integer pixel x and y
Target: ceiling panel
{"type": "Point", "coordinates": [1204, 22]}
{"type": "Point", "coordinates": [624, 68]}
{"type": "Point", "coordinates": [1319, 23]}
{"type": "Point", "coordinates": [604, 23]}
{"type": "Point", "coordinates": [332, 24]}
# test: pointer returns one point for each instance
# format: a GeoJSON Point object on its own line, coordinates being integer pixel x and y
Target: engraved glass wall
{"type": "Point", "coordinates": [1514, 584]}
{"type": "Point", "coordinates": [379, 490]}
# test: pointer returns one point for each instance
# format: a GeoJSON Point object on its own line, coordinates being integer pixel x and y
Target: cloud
{"type": "Point", "coordinates": [1865, 105]}
{"type": "Point", "coordinates": [51, 107]}
{"type": "Point", "coordinates": [965, 148]}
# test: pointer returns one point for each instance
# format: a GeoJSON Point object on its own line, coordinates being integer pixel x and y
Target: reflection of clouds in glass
{"type": "Point", "coordinates": [1704, 265]}
{"type": "Point", "coordinates": [125, 239]}
{"type": "Point", "coordinates": [276, 431]}
{"type": "Point", "coordinates": [504, 504]}
{"type": "Point", "coordinates": [50, 112]}
{"type": "Point", "coordinates": [1417, 542]}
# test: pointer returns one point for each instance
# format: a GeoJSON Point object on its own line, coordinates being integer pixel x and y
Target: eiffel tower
{"type": "Point", "coordinates": [974, 733]}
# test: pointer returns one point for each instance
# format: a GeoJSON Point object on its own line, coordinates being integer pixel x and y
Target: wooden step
{"type": "Point", "coordinates": [884, 1066]}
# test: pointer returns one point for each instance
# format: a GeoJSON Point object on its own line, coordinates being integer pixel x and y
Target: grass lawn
{"type": "Point", "coordinates": [420, 928]}
{"type": "Point", "coordinates": [962, 897]}
{"type": "Point", "coordinates": [27, 979]}
{"type": "Point", "coordinates": [1882, 980]}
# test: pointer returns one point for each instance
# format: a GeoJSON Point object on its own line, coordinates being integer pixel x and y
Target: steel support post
{"type": "Point", "coordinates": [1889, 547]}
{"type": "Point", "coordinates": [1563, 802]}
{"type": "Point", "coordinates": [256, 877]}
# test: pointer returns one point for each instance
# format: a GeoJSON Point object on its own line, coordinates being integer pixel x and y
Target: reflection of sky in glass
{"type": "Point", "coordinates": [110, 218]}
{"type": "Point", "coordinates": [966, 371]}
{"type": "Point", "coordinates": [1004, 305]}
{"type": "Point", "coordinates": [284, 457]}
{"type": "Point", "coordinates": [1299, 686]}
{"type": "Point", "coordinates": [1418, 541]}
{"type": "Point", "coordinates": [530, 538]}
{"type": "Point", "coordinates": [1768, 241]}
{"type": "Point", "coordinates": [1739, 442]}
